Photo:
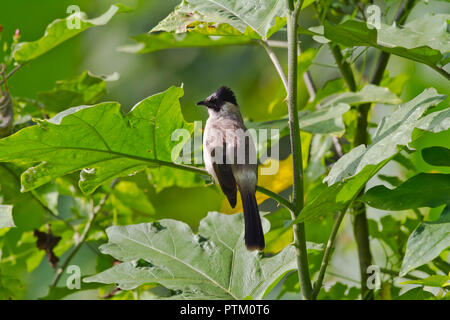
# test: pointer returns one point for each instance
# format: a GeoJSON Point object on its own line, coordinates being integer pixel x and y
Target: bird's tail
{"type": "Point", "coordinates": [254, 235]}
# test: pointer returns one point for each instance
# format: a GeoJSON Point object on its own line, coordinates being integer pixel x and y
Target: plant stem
{"type": "Point", "coordinates": [326, 255]}
{"type": "Point", "coordinates": [297, 190]}
{"type": "Point", "coordinates": [275, 62]}
{"type": "Point", "coordinates": [281, 200]}
{"type": "Point", "coordinates": [344, 67]}
{"type": "Point", "coordinates": [83, 237]}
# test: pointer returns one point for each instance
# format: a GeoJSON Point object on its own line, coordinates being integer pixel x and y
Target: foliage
{"type": "Point", "coordinates": [99, 184]}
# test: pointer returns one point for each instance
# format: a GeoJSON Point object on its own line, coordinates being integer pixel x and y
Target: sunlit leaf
{"type": "Point", "coordinates": [62, 30]}
{"type": "Point", "coordinates": [424, 40]}
{"type": "Point", "coordinates": [82, 90]}
{"type": "Point", "coordinates": [176, 258]}
{"type": "Point", "coordinates": [351, 172]}
{"type": "Point", "coordinates": [6, 218]}
{"type": "Point", "coordinates": [99, 139]}
{"type": "Point", "coordinates": [427, 242]}
{"type": "Point", "coordinates": [436, 280]}
{"type": "Point", "coordinates": [226, 17]}
{"type": "Point", "coordinates": [394, 130]}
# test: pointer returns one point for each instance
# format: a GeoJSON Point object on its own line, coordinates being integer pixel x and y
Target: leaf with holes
{"type": "Point", "coordinates": [226, 17]}
{"type": "Point", "coordinates": [99, 139]}
{"type": "Point", "coordinates": [209, 265]}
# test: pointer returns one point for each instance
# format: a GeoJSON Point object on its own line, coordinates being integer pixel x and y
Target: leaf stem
{"type": "Point", "coordinates": [83, 236]}
{"type": "Point", "coordinates": [275, 62]}
{"type": "Point", "coordinates": [297, 190]}
{"type": "Point", "coordinates": [281, 200]}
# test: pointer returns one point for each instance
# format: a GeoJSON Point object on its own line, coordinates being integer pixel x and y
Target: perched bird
{"type": "Point", "coordinates": [230, 157]}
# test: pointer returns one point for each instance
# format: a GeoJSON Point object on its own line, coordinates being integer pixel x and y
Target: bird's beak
{"type": "Point", "coordinates": [201, 103]}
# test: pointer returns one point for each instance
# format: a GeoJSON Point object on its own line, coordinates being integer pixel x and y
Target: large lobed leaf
{"type": "Point", "coordinates": [424, 39]}
{"type": "Point", "coordinates": [427, 242]}
{"type": "Point", "coordinates": [352, 171]}
{"type": "Point", "coordinates": [99, 139]}
{"type": "Point", "coordinates": [256, 19]}
{"type": "Point", "coordinates": [394, 130]}
{"type": "Point", "coordinates": [213, 264]}
{"type": "Point", "coordinates": [58, 32]}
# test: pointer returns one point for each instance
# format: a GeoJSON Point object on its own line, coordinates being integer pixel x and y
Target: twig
{"type": "Point", "coordinates": [83, 237]}
{"type": "Point", "coordinates": [281, 200]}
{"type": "Point", "coordinates": [275, 62]}
{"type": "Point", "coordinates": [13, 71]}
{"type": "Point", "coordinates": [327, 253]}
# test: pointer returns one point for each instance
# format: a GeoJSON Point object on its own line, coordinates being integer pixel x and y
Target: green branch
{"type": "Point", "coordinates": [296, 150]}
{"type": "Point", "coordinates": [83, 237]}
{"type": "Point", "coordinates": [327, 253]}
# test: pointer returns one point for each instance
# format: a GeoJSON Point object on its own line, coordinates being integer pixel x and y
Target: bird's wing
{"type": "Point", "coordinates": [225, 177]}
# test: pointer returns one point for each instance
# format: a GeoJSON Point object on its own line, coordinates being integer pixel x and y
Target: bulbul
{"type": "Point", "coordinates": [230, 157]}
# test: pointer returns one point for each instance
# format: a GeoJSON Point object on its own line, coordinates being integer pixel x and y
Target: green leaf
{"type": "Point", "coordinates": [6, 219]}
{"type": "Point", "coordinates": [62, 30]}
{"type": "Point", "coordinates": [352, 171]}
{"type": "Point", "coordinates": [436, 280]}
{"type": "Point", "coordinates": [128, 196]}
{"type": "Point", "coordinates": [99, 139]}
{"type": "Point", "coordinates": [59, 293]}
{"type": "Point", "coordinates": [327, 119]}
{"type": "Point", "coordinates": [28, 208]}
{"type": "Point", "coordinates": [164, 177]}
{"type": "Point", "coordinates": [427, 242]}
{"type": "Point", "coordinates": [82, 90]}
{"type": "Point", "coordinates": [150, 42]}
{"type": "Point", "coordinates": [226, 17]}
{"type": "Point", "coordinates": [437, 156]}
{"type": "Point", "coordinates": [393, 131]}
{"type": "Point", "coordinates": [422, 190]}
{"type": "Point", "coordinates": [370, 93]}
{"type": "Point", "coordinates": [424, 40]}
{"type": "Point", "coordinates": [211, 264]}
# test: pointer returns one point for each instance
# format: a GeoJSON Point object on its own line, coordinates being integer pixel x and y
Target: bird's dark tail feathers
{"type": "Point", "coordinates": [254, 235]}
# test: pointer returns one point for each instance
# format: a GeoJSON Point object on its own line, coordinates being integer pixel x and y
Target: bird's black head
{"type": "Point", "coordinates": [219, 98]}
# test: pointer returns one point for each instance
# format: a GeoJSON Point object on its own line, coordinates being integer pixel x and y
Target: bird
{"type": "Point", "coordinates": [230, 158]}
